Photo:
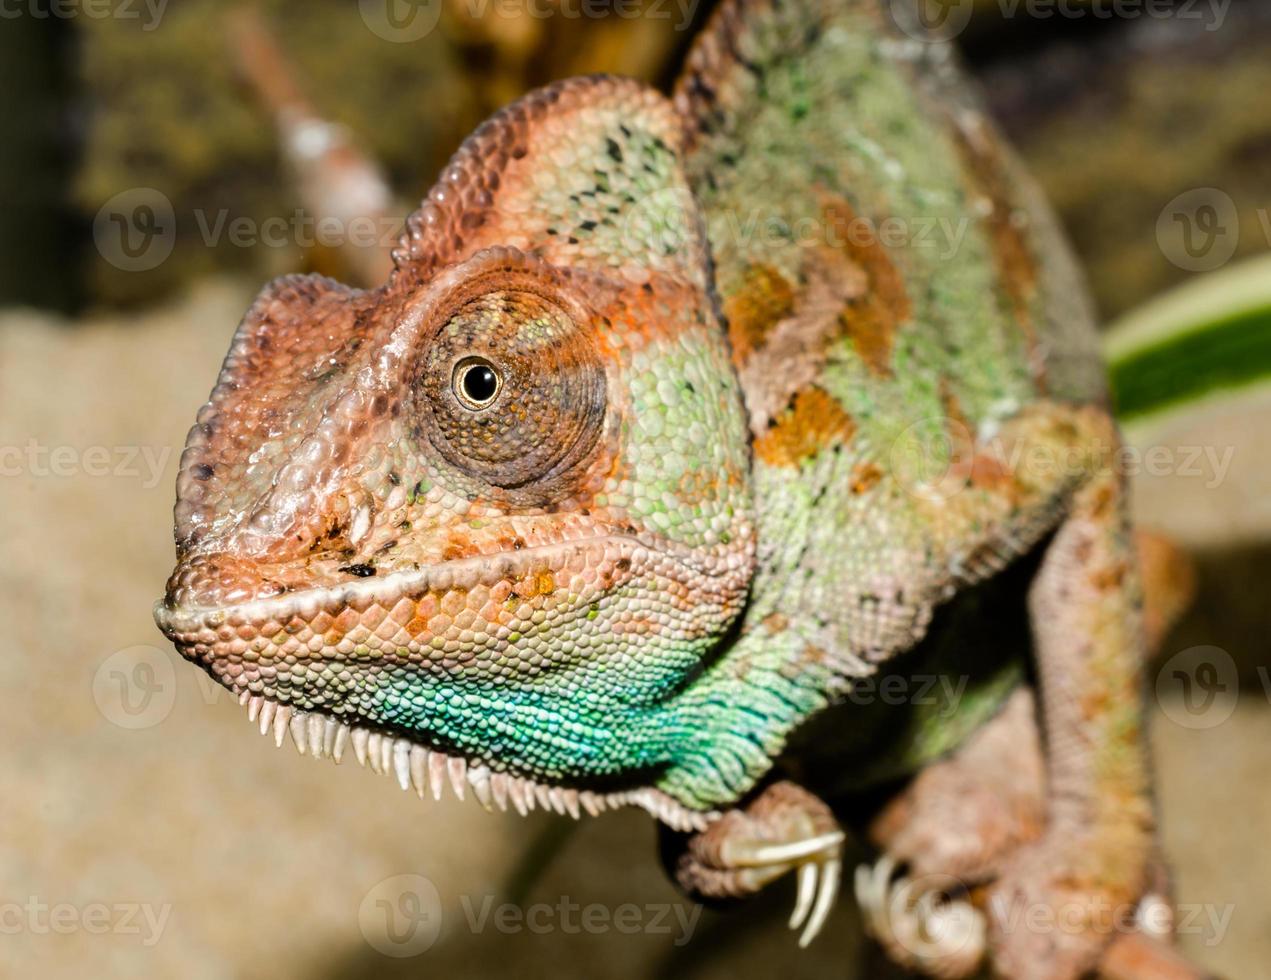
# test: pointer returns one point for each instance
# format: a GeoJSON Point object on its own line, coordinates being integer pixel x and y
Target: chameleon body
{"type": "Point", "coordinates": [670, 428]}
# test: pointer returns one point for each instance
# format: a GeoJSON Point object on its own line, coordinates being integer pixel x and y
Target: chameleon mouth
{"type": "Point", "coordinates": [182, 622]}
{"type": "Point", "coordinates": [241, 644]}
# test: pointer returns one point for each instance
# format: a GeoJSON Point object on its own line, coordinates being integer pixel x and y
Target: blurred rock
{"type": "Point", "coordinates": [1118, 118]}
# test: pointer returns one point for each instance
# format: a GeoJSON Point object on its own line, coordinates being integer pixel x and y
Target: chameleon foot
{"type": "Point", "coordinates": [783, 829]}
{"type": "Point", "coordinates": [1070, 913]}
{"type": "Point", "coordinates": [925, 924]}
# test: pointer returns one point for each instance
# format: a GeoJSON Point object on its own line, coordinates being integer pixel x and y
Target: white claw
{"type": "Point", "coordinates": [861, 882]}
{"type": "Point", "coordinates": [786, 853]}
{"type": "Point", "coordinates": [807, 891]}
{"type": "Point", "coordinates": [918, 922]}
{"type": "Point", "coordinates": [329, 729]}
{"type": "Point", "coordinates": [341, 743]}
{"type": "Point", "coordinates": [873, 884]}
{"type": "Point", "coordinates": [1155, 916]}
{"type": "Point", "coordinates": [253, 708]}
{"type": "Point", "coordinates": [833, 871]}
{"type": "Point", "coordinates": [373, 753]}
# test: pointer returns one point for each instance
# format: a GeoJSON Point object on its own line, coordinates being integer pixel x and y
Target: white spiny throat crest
{"type": "Point", "coordinates": [429, 771]}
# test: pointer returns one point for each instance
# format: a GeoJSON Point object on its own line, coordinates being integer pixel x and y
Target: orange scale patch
{"type": "Point", "coordinates": [813, 421]}
{"type": "Point", "coordinates": [763, 300]}
{"type": "Point", "coordinates": [870, 320]}
{"type": "Point", "coordinates": [865, 477]}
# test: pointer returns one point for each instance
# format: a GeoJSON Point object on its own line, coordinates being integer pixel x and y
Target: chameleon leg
{"type": "Point", "coordinates": [1065, 866]}
{"type": "Point", "coordinates": [950, 829]}
{"type": "Point", "coordinates": [1053, 907]}
{"type": "Point", "coordinates": [782, 829]}
{"type": "Point", "coordinates": [965, 814]}
{"type": "Point", "coordinates": [962, 816]}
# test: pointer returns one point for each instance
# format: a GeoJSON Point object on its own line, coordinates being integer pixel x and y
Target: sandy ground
{"type": "Point", "coordinates": [145, 830]}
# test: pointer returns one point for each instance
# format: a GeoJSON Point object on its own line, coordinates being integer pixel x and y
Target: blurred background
{"type": "Point", "coordinates": [147, 191]}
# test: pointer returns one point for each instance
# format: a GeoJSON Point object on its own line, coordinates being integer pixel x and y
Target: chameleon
{"type": "Point", "coordinates": [680, 424]}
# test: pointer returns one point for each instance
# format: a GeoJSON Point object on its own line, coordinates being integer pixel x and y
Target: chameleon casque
{"type": "Point", "coordinates": [655, 447]}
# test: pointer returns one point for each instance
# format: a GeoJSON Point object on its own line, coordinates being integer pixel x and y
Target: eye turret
{"type": "Point", "coordinates": [510, 389]}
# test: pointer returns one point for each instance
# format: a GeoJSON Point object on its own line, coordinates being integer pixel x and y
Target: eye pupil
{"type": "Point", "coordinates": [479, 384]}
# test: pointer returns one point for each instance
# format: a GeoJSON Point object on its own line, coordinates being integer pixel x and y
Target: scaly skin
{"type": "Point", "coordinates": [613, 484]}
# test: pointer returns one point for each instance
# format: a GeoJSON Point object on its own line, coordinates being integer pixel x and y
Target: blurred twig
{"type": "Point", "coordinates": [337, 183]}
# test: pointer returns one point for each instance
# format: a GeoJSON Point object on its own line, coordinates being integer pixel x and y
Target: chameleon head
{"type": "Point", "coordinates": [496, 512]}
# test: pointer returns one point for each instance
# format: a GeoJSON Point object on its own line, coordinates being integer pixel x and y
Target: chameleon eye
{"type": "Point", "coordinates": [510, 391]}
{"type": "Point", "coordinates": [476, 383]}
